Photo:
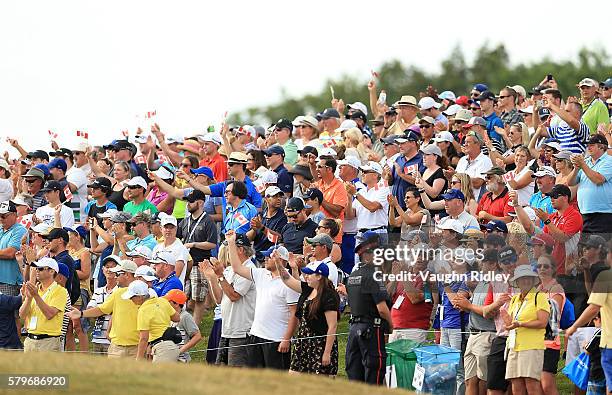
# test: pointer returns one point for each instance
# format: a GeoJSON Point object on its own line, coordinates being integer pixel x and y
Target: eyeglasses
{"type": "Point", "coordinates": [316, 245]}
{"type": "Point", "coordinates": [227, 191]}
{"type": "Point", "coordinates": [460, 122]}
{"type": "Point", "coordinates": [543, 266]}
{"type": "Point", "coordinates": [503, 97]}
{"type": "Point", "coordinates": [425, 126]}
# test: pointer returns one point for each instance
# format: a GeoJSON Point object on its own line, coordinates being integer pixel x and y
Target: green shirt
{"type": "Point", "coordinates": [291, 155]}
{"type": "Point", "coordinates": [595, 113]}
{"type": "Point", "coordinates": [134, 209]}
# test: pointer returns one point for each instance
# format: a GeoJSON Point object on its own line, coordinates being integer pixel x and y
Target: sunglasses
{"type": "Point", "coordinates": [321, 166]}
{"type": "Point", "coordinates": [132, 187]}
{"type": "Point", "coordinates": [503, 97]}
{"type": "Point", "coordinates": [455, 182]}
{"type": "Point", "coordinates": [30, 181]}
{"type": "Point", "coordinates": [425, 126]}
{"type": "Point", "coordinates": [117, 274]}
{"type": "Point", "coordinates": [291, 216]}
{"type": "Point", "coordinates": [41, 269]}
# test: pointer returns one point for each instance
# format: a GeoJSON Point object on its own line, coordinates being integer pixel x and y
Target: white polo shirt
{"type": "Point", "coordinates": [481, 164]}
{"type": "Point", "coordinates": [180, 253]}
{"type": "Point", "coordinates": [367, 219]}
{"type": "Point", "coordinates": [271, 306]}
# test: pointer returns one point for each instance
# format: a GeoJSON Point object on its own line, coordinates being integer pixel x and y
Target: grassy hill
{"type": "Point", "coordinates": [93, 374]}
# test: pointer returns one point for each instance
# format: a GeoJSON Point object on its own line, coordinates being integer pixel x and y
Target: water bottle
{"type": "Point", "coordinates": [427, 293]}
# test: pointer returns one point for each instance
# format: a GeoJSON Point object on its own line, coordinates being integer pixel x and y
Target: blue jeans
{"type": "Point", "coordinates": [453, 338]}
{"type": "Point", "coordinates": [606, 364]}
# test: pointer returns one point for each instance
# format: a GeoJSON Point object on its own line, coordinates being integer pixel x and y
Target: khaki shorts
{"type": "Point", "coordinates": [116, 351]}
{"type": "Point", "coordinates": [476, 353]}
{"type": "Point", "coordinates": [49, 344]}
{"type": "Point", "coordinates": [99, 348]}
{"type": "Point", "coordinates": [525, 364]}
{"type": "Point", "coordinates": [165, 351]}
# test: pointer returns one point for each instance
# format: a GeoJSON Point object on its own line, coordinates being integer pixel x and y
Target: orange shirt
{"type": "Point", "coordinates": [218, 166]}
{"type": "Point", "coordinates": [334, 193]}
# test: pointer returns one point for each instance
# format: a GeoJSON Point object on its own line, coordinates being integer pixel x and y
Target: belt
{"type": "Point", "coordinates": [365, 320]}
{"type": "Point", "coordinates": [475, 331]}
{"type": "Point", "coordinates": [154, 342]}
{"type": "Point", "coordinates": [40, 337]}
{"type": "Point", "coordinates": [363, 230]}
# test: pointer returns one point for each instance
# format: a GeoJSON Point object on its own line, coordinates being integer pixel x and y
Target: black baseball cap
{"type": "Point", "coordinates": [195, 195]}
{"type": "Point", "coordinates": [283, 123]}
{"type": "Point", "coordinates": [102, 183]}
{"type": "Point", "coordinates": [309, 149]}
{"type": "Point", "coordinates": [242, 240]}
{"type": "Point", "coordinates": [507, 255]}
{"type": "Point", "coordinates": [314, 193]}
{"type": "Point", "coordinates": [296, 204]}
{"type": "Point", "coordinates": [124, 144]}
{"type": "Point", "coordinates": [490, 255]}
{"type": "Point", "coordinates": [274, 150]}
{"type": "Point", "coordinates": [8, 207]}
{"type": "Point", "coordinates": [62, 152]}
{"type": "Point", "coordinates": [560, 190]}
{"type": "Point", "coordinates": [597, 139]}
{"type": "Point", "coordinates": [57, 233]}
{"type": "Point", "coordinates": [329, 113]}
{"type": "Point", "coordinates": [52, 186]}
{"type": "Point", "coordinates": [543, 113]}
{"type": "Point", "coordinates": [486, 95]}
{"type": "Point", "coordinates": [38, 154]}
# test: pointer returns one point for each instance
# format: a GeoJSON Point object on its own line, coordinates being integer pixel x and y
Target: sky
{"type": "Point", "coordinates": [100, 66]}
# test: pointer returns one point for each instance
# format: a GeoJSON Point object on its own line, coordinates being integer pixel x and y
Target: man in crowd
{"type": "Point", "coordinates": [474, 163]}
{"type": "Point", "coordinates": [12, 236]}
{"type": "Point", "coordinates": [298, 226]}
{"type": "Point", "coordinates": [275, 157]}
{"type": "Point", "coordinates": [487, 104]}
{"type": "Point", "coordinates": [58, 242]}
{"type": "Point", "coordinates": [508, 99]}
{"type": "Point", "coordinates": [101, 189]}
{"type": "Point", "coordinates": [454, 205]}
{"type": "Point", "coordinates": [99, 336]}
{"type": "Point", "coordinates": [141, 227]}
{"type": "Point", "coordinates": [43, 308]}
{"type": "Point", "coordinates": [174, 246]}
{"type": "Point", "coordinates": [212, 159]}
{"type": "Point", "coordinates": [265, 229]}
{"type": "Point", "coordinates": [493, 206]}
{"type": "Point", "coordinates": [137, 188]}
{"type": "Point", "coordinates": [164, 263]}
{"type": "Point", "coordinates": [545, 180]}
{"type": "Point", "coordinates": [321, 255]}
{"type": "Point", "coordinates": [54, 194]}
{"type": "Point", "coordinates": [570, 130]}
{"type": "Point", "coordinates": [334, 194]}
{"type": "Point", "coordinates": [407, 115]}
{"type": "Point", "coordinates": [594, 110]}
{"type": "Point", "coordinates": [35, 180]}
{"type": "Point", "coordinates": [282, 134]}
{"type": "Point", "coordinates": [406, 166]}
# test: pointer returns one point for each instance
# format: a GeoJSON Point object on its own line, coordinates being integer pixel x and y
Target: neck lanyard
{"type": "Point", "coordinates": [522, 306]}
{"type": "Point", "coordinates": [192, 231]}
{"type": "Point", "coordinates": [44, 295]}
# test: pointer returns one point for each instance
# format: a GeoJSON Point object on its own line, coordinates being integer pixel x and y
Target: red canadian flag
{"type": "Point", "coordinates": [508, 176]}
{"type": "Point", "coordinates": [53, 135]}
{"type": "Point", "coordinates": [271, 236]}
{"type": "Point", "coordinates": [125, 133]}
{"type": "Point", "coordinates": [67, 192]}
{"type": "Point", "coordinates": [162, 158]}
{"type": "Point", "coordinates": [150, 114]}
{"type": "Point", "coordinates": [85, 135]}
{"type": "Point", "coordinates": [140, 159]}
{"type": "Point", "coordinates": [241, 219]}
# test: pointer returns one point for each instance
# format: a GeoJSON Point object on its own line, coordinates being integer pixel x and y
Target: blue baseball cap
{"type": "Point", "coordinates": [317, 268]}
{"type": "Point", "coordinates": [43, 168]}
{"type": "Point", "coordinates": [480, 88]}
{"type": "Point", "coordinates": [58, 163]}
{"type": "Point", "coordinates": [496, 225]}
{"type": "Point", "coordinates": [273, 150]}
{"type": "Point", "coordinates": [80, 230]}
{"type": "Point", "coordinates": [64, 270]}
{"type": "Point", "coordinates": [453, 194]}
{"type": "Point", "coordinates": [205, 171]}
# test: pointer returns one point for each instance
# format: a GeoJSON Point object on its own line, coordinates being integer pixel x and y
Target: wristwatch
{"type": "Point", "coordinates": [547, 222]}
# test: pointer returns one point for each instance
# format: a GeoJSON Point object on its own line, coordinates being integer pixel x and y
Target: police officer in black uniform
{"type": "Point", "coordinates": [370, 318]}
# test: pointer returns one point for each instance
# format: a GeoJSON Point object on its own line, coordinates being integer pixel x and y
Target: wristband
{"type": "Point", "coordinates": [81, 313]}
{"type": "Point", "coordinates": [547, 222]}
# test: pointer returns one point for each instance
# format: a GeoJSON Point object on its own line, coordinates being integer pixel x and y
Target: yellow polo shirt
{"type": "Point", "coordinates": [528, 338]}
{"type": "Point", "coordinates": [602, 296]}
{"type": "Point", "coordinates": [123, 331]}
{"type": "Point", "coordinates": [36, 323]}
{"type": "Point", "coordinates": [154, 316]}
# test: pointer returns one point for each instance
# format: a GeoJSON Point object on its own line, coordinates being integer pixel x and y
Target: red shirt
{"type": "Point", "coordinates": [410, 316]}
{"type": "Point", "coordinates": [497, 207]}
{"type": "Point", "coordinates": [218, 166]}
{"type": "Point", "coordinates": [570, 222]}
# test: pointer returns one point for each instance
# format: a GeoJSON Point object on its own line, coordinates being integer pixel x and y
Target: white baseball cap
{"type": "Point", "coordinates": [372, 166]}
{"type": "Point", "coordinates": [145, 272]}
{"type": "Point", "coordinates": [327, 152]}
{"type": "Point", "coordinates": [124, 265]}
{"type": "Point", "coordinates": [137, 181]}
{"type": "Point", "coordinates": [212, 137]}
{"type": "Point", "coordinates": [108, 213]}
{"type": "Point", "coordinates": [80, 146]}
{"type": "Point", "coordinates": [167, 220]}
{"type": "Point", "coordinates": [47, 262]}
{"type": "Point", "coordinates": [359, 106]}
{"type": "Point", "coordinates": [272, 191]}
{"type": "Point", "coordinates": [164, 257]}
{"type": "Point", "coordinates": [42, 228]}
{"type": "Point", "coordinates": [346, 125]}
{"type": "Point", "coordinates": [450, 224]}
{"type": "Point", "coordinates": [140, 250]}
{"type": "Point", "coordinates": [444, 136]}
{"type": "Point", "coordinates": [428, 102]}
{"type": "Point", "coordinates": [350, 160]}
{"type": "Point", "coordinates": [175, 139]}
{"type": "Point", "coordinates": [164, 173]}
{"type": "Point", "coordinates": [141, 138]}
{"type": "Point", "coordinates": [136, 288]}
{"type": "Point", "coordinates": [452, 110]}
{"type": "Point", "coordinates": [298, 120]}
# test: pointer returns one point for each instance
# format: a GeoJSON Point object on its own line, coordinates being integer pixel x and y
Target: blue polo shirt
{"type": "Point", "coordinates": [453, 318]}
{"type": "Point", "coordinates": [239, 218]}
{"type": "Point", "coordinates": [492, 121]}
{"type": "Point", "coordinates": [543, 202]}
{"type": "Point", "coordinates": [285, 180]}
{"type": "Point", "coordinates": [148, 241]}
{"type": "Point", "coordinates": [163, 287]}
{"type": "Point", "coordinates": [9, 268]}
{"type": "Point", "coordinates": [253, 197]}
{"type": "Point", "coordinates": [399, 185]}
{"type": "Point", "coordinates": [593, 198]}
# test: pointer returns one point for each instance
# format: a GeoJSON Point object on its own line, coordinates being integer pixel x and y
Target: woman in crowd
{"type": "Point", "coordinates": [445, 141]}
{"type": "Point", "coordinates": [256, 164]}
{"type": "Point", "coordinates": [162, 200]}
{"type": "Point", "coordinates": [564, 166]}
{"type": "Point", "coordinates": [461, 181]}
{"type": "Point", "coordinates": [354, 145]}
{"type": "Point", "coordinates": [121, 174]}
{"type": "Point", "coordinates": [554, 291]}
{"type": "Point", "coordinates": [82, 268]}
{"type": "Point", "coordinates": [432, 181]}
{"type": "Point", "coordinates": [328, 226]}
{"type": "Point", "coordinates": [317, 310]}
{"type": "Point", "coordinates": [413, 218]}
{"type": "Point", "coordinates": [526, 319]}
{"type": "Point", "coordinates": [521, 178]}
{"type": "Point", "coordinates": [518, 134]}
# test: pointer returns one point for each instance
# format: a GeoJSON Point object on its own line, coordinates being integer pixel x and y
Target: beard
{"type": "Point", "coordinates": [492, 187]}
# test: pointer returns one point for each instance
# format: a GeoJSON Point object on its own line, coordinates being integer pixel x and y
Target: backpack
{"type": "Point", "coordinates": [552, 326]}
{"type": "Point", "coordinates": [75, 287]}
{"type": "Point", "coordinates": [568, 317]}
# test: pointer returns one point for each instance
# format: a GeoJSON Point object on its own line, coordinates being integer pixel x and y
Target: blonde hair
{"type": "Point", "coordinates": [353, 138]}
{"type": "Point", "coordinates": [466, 186]}
{"type": "Point", "coordinates": [524, 129]}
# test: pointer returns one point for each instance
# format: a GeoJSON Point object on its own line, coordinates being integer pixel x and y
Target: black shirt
{"type": "Point", "coordinates": [285, 180]}
{"type": "Point", "coordinates": [192, 231]}
{"type": "Point", "coordinates": [580, 296]}
{"type": "Point", "coordinates": [364, 292]}
{"type": "Point", "coordinates": [276, 223]}
{"type": "Point", "coordinates": [330, 301]}
{"type": "Point", "coordinates": [293, 236]}
{"type": "Point", "coordinates": [65, 258]}
{"type": "Point", "coordinates": [8, 329]}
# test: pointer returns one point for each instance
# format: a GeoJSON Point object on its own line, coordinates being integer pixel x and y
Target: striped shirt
{"type": "Point", "coordinates": [569, 138]}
